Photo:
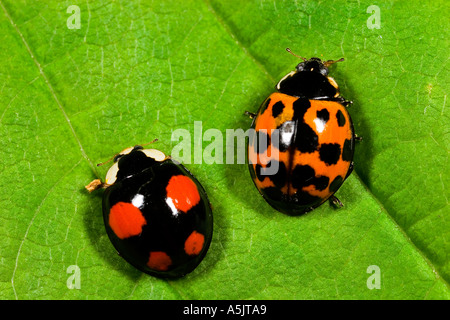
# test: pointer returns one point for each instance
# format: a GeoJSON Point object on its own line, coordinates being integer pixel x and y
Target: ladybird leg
{"type": "Point", "coordinates": [347, 103]}
{"type": "Point", "coordinates": [358, 138]}
{"type": "Point", "coordinates": [250, 114]}
{"type": "Point", "coordinates": [309, 209]}
{"type": "Point", "coordinates": [334, 200]}
{"type": "Point", "coordinates": [95, 184]}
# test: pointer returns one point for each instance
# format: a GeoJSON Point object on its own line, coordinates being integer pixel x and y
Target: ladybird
{"type": "Point", "coordinates": [156, 214]}
{"type": "Point", "coordinates": [304, 132]}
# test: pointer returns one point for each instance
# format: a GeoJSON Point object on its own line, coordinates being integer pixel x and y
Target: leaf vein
{"type": "Point", "coordinates": [38, 209]}
{"type": "Point", "coordinates": [49, 85]}
{"type": "Point", "coordinates": [271, 78]}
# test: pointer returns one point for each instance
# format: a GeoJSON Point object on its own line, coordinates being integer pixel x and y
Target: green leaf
{"type": "Point", "coordinates": [138, 70]}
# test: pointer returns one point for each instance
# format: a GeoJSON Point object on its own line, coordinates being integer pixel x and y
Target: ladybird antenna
{"type": "Point", "coordinates": [330, 62]}
{"type": "Point", "coordinates": [146, 144]}
{"type": "Point", "coordinates": [105, 162]}
{"type": "Point", "coordinates": [295, 55]}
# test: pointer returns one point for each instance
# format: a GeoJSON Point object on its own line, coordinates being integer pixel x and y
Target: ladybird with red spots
{"type": "Point", "coordinates": [156, 214]}
{"type": "Point", "coordinates": [302, 149]}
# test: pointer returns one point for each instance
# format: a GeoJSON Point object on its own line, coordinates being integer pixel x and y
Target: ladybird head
{"type": "Point", "coordinates": [131, 161]}
{"type": "Point", "coordinates": [313, 64]}
{"type": "Point", "coordinates": [316, 65]}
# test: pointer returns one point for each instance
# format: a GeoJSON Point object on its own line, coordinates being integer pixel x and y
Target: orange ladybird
{"type": "Point", "coordinates": [303, 143]}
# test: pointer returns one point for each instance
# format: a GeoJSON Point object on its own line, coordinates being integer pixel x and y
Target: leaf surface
{"type": "Point", "coordinates": [135, 71]}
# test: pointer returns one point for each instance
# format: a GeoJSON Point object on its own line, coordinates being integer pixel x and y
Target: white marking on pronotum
{"type": "Point", "coordinates": [155, 154]}
{"type": "Point", "coordinates": [290, 74]}
{"type": "Point", "coordinates": [333, 82]}
{"type": "Point", "coordinates": [111, 175]}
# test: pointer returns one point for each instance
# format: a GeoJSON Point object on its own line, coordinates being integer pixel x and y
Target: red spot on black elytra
{"type": "Point", "coordinates": [159, 261]}
{"type": "Point", "coordinates": [183, 193]}
{"type": "Point", "coordinates": [126, 220]}
{"type": "Point", "coordinates": [194, 243]}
